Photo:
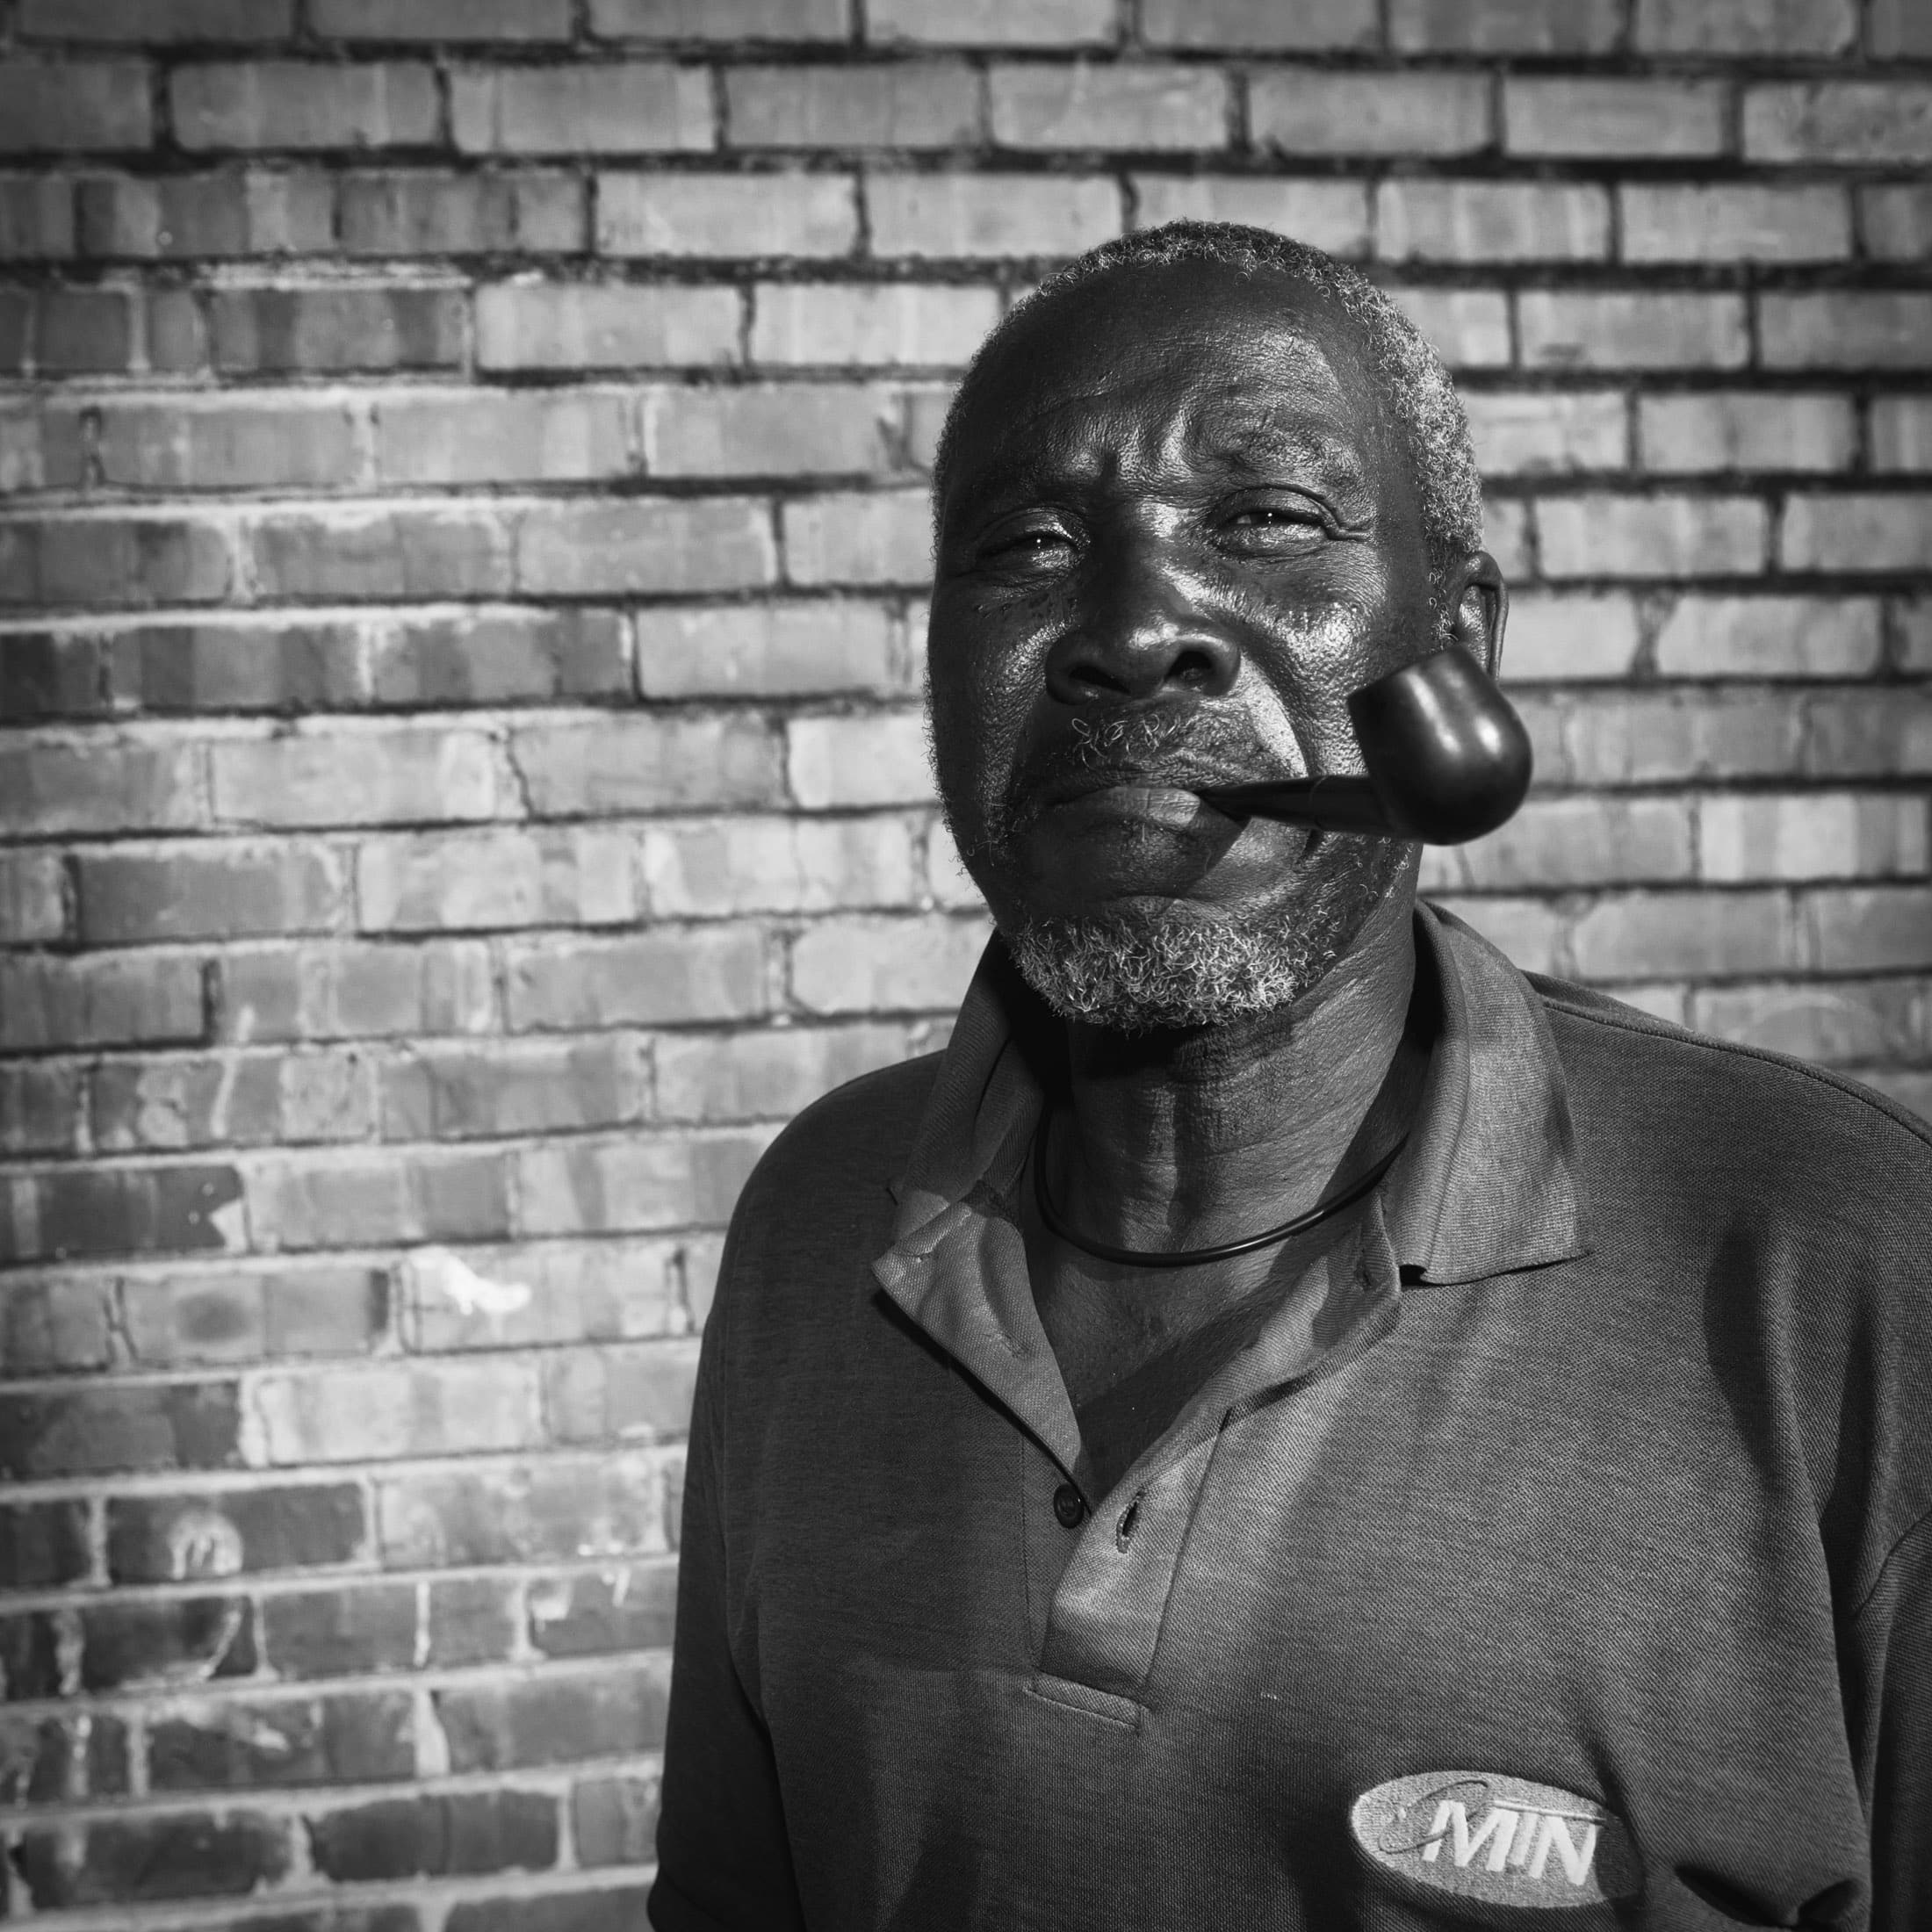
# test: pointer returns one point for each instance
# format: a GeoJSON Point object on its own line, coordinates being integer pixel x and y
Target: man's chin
{"type": "Point", "coordinates": [1136, 967]}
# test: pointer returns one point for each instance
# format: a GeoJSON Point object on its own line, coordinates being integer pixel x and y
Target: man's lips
{"type": "Point", "coordinates": [1161, 790]}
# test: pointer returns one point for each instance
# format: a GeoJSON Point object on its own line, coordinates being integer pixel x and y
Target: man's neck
{"type": "Point", "coordinates": [1184, 1140]}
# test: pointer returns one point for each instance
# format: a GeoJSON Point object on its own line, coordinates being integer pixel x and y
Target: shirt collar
{"type": "Point", "coordinates": [1487, 1186]}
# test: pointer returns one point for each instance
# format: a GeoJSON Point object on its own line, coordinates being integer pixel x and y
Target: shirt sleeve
{"type": "Point", "coordinates": [723, 1859]}
{"type": "Point", "coordinates": [1892, 1684]}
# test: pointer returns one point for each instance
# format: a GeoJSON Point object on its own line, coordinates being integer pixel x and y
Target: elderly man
{"type": "Point", "coordinates": [1287, 1422]}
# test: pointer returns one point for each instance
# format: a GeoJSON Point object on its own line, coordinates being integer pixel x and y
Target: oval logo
{"type": "Point", "coordinates": [1484, 1836]}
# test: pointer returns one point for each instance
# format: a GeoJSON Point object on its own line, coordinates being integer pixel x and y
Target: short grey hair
{"type": "Point", "coordinates": [1420, 400]}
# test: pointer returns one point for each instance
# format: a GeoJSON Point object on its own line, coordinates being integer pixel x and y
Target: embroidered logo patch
{"type": "Point", "coordinates": [1503, 1840]}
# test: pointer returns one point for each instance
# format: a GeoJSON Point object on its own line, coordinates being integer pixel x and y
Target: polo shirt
{"type": "Point", "coordinates": [1570, 1562]}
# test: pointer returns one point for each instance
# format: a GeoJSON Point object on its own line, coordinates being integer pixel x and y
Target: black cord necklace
{"type": "Point", "coordinates": [1189, 1258]}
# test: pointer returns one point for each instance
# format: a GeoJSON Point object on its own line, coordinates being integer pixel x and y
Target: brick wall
{"type": "Point", "coordinates": [461, 634]}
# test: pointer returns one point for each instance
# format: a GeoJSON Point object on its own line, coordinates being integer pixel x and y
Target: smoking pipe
{"type": "Point", "coordinates": [1448, 760]}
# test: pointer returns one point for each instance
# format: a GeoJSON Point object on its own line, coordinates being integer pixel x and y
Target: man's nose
{"type": "Point", "coordinates": [1141, 633]}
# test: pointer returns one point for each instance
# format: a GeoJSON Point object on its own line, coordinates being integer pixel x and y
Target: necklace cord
{"type": "Point", "coordinates": [1189, 1258]}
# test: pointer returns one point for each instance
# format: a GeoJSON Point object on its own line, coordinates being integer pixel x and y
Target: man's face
{"type": "Point", "coordinates": [1176, 536]}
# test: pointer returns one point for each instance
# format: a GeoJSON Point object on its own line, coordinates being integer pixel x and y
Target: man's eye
{"type": "Point", "coordinates": [1041, 543]}
{"type": "Point", "coordinates": [1267, 517]}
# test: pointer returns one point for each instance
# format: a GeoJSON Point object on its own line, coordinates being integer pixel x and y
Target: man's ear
{"type": "Point", "coordinates": [1481, 610]}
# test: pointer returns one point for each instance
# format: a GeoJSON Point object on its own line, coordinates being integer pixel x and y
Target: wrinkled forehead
{"type": "Point", "coordinates": [1186, 363]}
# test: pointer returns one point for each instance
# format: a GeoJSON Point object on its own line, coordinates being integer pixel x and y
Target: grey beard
{"type": "Point", "coordinates": [1133, 971]}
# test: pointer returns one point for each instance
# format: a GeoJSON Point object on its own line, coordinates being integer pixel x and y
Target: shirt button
{"type": "Point", "coordinates": [1070, 1506]}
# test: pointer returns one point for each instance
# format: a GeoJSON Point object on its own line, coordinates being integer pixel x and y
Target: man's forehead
{"type": "Point", "coordinates": [1230, 368]}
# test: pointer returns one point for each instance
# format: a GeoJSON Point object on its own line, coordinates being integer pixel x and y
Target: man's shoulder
{"type": "Point", "coordinates": [1682, 1088]}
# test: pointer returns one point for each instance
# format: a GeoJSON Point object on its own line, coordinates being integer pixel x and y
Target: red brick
{"type": "Point", "coordinates": [550, 436]}
{"type": "Point", "coordinates": [1771, 637]}
{"type": "Point", "coordinates": [43, 1545]}
{"type": "Point", "coordinates": [1528, 432]}
{"type": "Point", "coordinates": [1321, 111]}
{"type": "Point", "coordinates": [779, 865]}
{"type": "Point", "coordinates": [437, 213]}
{"type": "Point", "coordinates": [1623, 739]}
{"type": "Point", "coordinates": [719, 20]}
{"type": "Point", "coordinates": [1873, 121]}
{"type": "Point", "coordinates": [545, 1292]}
{"type": "Point", "coordinates": [30, 1659]}
{"type": "Point", "coordinates": [1901, 433]}
{"type": "Point", "coordinates": [250, 1100]}
{"type": "Point", "coordinates": [120, 1210]}
{"type": "Point", "coordinates": [639, 1184]}
{"type": "Point", "coordinates": [441, 19]}
{"type": "Point", "coordinates": [554, 1719]}
{"type": "Point", "coordinates": [1142, 105]}
{"type": "Point", "coordinates": [51, 674]}
{"type": "Point", "coordinates": [180, 1640]}
{"type": "Point", "coordinates": [912, 104]}
{"type": "Point", "coordinates": [406, 553]}
{"type": "Point", "coordinates": [765, 649]}
{"type": "Point", "coordinates": [83, 331]}
{"type": "Point", "coordinates": [1849, 1021]}
{"type": "Point", "coordinates": [1746, 26]}
{"type": "Point", "coordinates": [42, 1105]}
{"type": "Point", "coordinates": [176, 330]}
{"type": "Point", "coordinates": [36, 217]}
{"type": "Point", "coordinates": [1899, 27]}
{"type": "Point", "coordinates": [1746, 430]}
{"type": "Point", "coordinates": [864, 962]}
{"type": "Point", "coordinates": [424, 883]}
{"type": "Point", "coordinates": [1603, 536]}
{"type": "Point", "coordinates": [32, 898]}
{"type": "Point", "coordinates": [324, 328]}
{"type": "Point", "coordinates": [304, 105]}
{"type": "Point", "coordinates": [1630, 330]}
{"type": "Point", "coordinates": [1325, 214]}
{"type": "Point", "coordinates": [720, 215]}
{"type": "Point", "coordinates": [903, 324]}
{"type": "Point", "coordinates": [522, 1086]}
{"type": "Point", "coordinates": [472, 1619]}
{"type": "Point", "coordinates": [869, 537]}
{"type": "Point", "coordinates": [1505, 26]}
{"type": "Point", "coordinates": [1734, 223]}
{"type": "Point", "coordinates": [157, 22]}
{"type": "Point", "coordinates": [113, 559]}
{"type": "Point", "coordinates": [252, 210]}
{"type": "Point", "coordinates": [1869, 928]}
{"type": "Point", "coordinates": [611, 1394]}
{"type": "Point", "coordinates": [227, 663]}
{"type": "Point", "coordinates": [39, 448]}
{"type": "Point", "coordinates": [767, 1075]}
{"type": "Point", "coordinates": [187, 1317]}
{"type": "Point", "coordinates": [114, 1861]}
{"type": "Point", "coordinates": [493, 657]}
{"type": "Point", "coordinates": [55, 1002]}
{"type": "Point", "coordinates": [455, 1832]}
{"type": "Point", "coordinates": [773, 430]}
{"type": "Point", "coordinates": [17, 314]}
{"type": "Point", "coordinates": [349, 991]}
{"type": "Point", "coordinates": [594, 325]}
{"type": "Point", "coordinates": [613, 1819]}
{"type": "Point", "coordinates": [1856, 532]}
{"type": "Point", "coordinates": [1491, 220]}
{"type": "Point", "coordinates": [1635, 935]}
{"type": "Point", "coordinates": [992, 23]}
{"type": "Point", "coordinates": [1896, 220]}
{"type": "Point", "coordinates": [209, 892]}
{"type": "Point", "coordinates": [229, 1744]}
{"type": "Point", "coordinates": [54, 1327]}
{"type": "Point", "coordinates": [1812, 835]}
{"type": "Point", "coordinates": [376, 1410]}
{"type": "Point", "coordinates": [1311, 27]}
{"type": "Point", "coordinates": [980, 216]}
{"type": "Point", "coordinates": [645, 761]}
{"type": "Point", "coordinates": [63, 106]}
{"type": "Point", "coordinates": [1591, 116]}
{"type": "Point", "coordinates": [1506, 536]}
{"type": "Point", "coordinates": [559, 1508]}
{"type": "Point", "coordinates": [402, 773]}
{"type": "Point", "coordinates": [638, 107]}
{"type": "Point", "coordinates": [225, 443]}
{"type": "Point", "coordinates": [93, 1431]}
{"type": "Point", "coordinates": [54, 1760]}
{"type": "Point", "coordinates": [1914, 623]}
{"type": "Point", "coordinates": [612, 1908]}
{"type": "Point", "coordinates": [159, 1538]}
{"type": "Point", "coordinates": [304, 1202]}
{"type": "Point", "coordinates": [653, 544]}
{"type": "Point", "coordinates": [586, 1613]}
{"type": "Point", "coordinates": [858, 761]}
{"type": "Point", "coordinates": [340, 1632]}
{"type": "Point", "coordinates": [1846, 329]}
{"type": "Point", "coordinates": [1469, 328]}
